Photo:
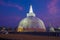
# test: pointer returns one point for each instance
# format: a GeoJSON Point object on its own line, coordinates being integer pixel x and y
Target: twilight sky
{"type": "Point", "coordinates": [13, 11]}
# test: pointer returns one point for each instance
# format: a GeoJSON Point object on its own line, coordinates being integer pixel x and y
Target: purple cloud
{"type": "Point", "coordinates": [52, 7]}
{"type": "Point", "coordinates": [11, 5]}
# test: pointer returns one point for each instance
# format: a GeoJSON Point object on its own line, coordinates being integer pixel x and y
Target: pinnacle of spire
{"type": "Point", "coordinates": [31, 10]}
{"type": "Point", "coordinates": [31, 13]}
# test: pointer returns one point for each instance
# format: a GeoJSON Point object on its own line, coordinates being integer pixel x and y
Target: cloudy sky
{"type": "Point", "coordinates": [13, 11]}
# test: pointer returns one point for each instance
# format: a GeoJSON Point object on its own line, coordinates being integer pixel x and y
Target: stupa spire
{"type": "Point", "coordinates": [31, 10]}
{"type": "Point", "coordinates": [31, 13]}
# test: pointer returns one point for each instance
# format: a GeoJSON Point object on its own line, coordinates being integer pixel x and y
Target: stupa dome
{"type": "Point", "coordinates": [31, 23]}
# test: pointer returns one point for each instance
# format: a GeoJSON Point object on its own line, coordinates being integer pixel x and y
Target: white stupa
{"type": "Point", "coordinates": [31, 23]}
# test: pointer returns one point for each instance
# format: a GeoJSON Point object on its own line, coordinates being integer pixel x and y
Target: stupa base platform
{"type": "Point", "coordinates": [30, 36]}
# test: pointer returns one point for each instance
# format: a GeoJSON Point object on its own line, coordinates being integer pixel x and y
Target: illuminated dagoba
{"type": "Point", "coordinates": [31, 23]}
